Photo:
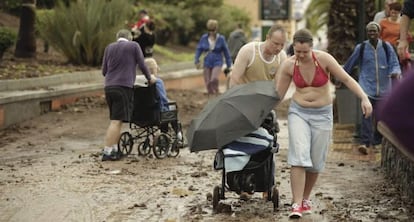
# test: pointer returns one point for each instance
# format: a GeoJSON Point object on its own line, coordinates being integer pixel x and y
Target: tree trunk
{"type": "Point", "coordinates": [26, 39]}
{"type": "Point", "coordinates": [344, 28]}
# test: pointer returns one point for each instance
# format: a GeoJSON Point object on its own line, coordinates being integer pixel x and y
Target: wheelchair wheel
{"type": "Point", "coordinates": [125, 143]}
{"type": "Point", "coordinates": [275, 198]}
{"type": "Point", "coordinates": [144, 147]}
{"type": "Point", "coordinates": [216, 197]}
{"type": "Point", "coordinates": [161, 146]}
{"type": "Point", "coordinates": [175, 150]}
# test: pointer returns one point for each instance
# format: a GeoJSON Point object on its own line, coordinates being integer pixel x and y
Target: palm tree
{"type": "Point", "coordinates": [316, 15]}
{"type": "Point", "coordinates": [344, 21]}
{"type": "Point", "coordinates": [346, 26]}
{"type": "Point", "coordinates": [26, 40]}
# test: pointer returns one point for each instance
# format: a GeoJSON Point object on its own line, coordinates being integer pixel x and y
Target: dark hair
{"type": "Point", "coordinates": [150, 25]}
{"type": "Point", "coordinates": [303, 36]}
{"type": "Point", "coordinates": [395, 6]}
{"type": "Point", "coordinates": [290, 51]}
{"type": "Point", "coordinates": [143, 11]}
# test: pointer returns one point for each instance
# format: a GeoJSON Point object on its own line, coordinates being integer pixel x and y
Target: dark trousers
{"type": "Point", "coordinates": [369, 132]}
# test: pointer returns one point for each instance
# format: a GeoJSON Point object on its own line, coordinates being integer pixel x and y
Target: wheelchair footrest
{"type": "Point", "coordinates": [168, 116]}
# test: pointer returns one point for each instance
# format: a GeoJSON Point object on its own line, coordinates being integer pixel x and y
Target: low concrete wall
{"type": "Point", "coordinates": [19, 110]}
{"type": "Point", "coordinates": [23, 99]}
{"type": "Point", "coordinates": [397, 161]}
{"type": "Point", "coordinates": [50, 81]}
{"type": "Point", "coordinates": [398, 168]}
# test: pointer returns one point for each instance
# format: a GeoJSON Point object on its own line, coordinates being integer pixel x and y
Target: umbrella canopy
{"type": "Point", "coordinates": [235, 113]}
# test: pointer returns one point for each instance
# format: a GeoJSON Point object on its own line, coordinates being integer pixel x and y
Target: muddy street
{"type": "Point", "coordinates": [51, 170]}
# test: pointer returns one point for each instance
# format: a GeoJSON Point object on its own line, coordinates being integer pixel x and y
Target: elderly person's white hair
{"type": "Point", "coordinates": [373, 24]}
{"type": "Point", "coordinates": [124, 33]}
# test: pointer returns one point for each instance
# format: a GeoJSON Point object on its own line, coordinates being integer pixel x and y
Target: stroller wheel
{"type": "Point", "coordinates": [161, 146]}
{"type": "Point", "coordinates": [125, 143]}
{"type": "Point", "coordinates": [216, 197]}
{"type": "Point", "coordinates": [144, 148]}
{"type": "Point", "coordinates": [275, 198]}
{"type": "Point", "coordinates": [175, 150]}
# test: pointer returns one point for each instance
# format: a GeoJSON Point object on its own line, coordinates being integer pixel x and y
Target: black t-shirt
{"type": "Point", "coordinates": [146, 41]}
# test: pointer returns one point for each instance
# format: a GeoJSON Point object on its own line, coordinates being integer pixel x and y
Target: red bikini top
{"type": "Point", "coordinates": [319, 79]}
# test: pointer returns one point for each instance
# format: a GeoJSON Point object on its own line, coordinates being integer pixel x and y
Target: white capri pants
{"type": "Point", "coordinates": [310, 133]}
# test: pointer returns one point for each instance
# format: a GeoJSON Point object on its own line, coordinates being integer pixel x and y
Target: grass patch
{"type": "Point", "coordinates": [169, 55]}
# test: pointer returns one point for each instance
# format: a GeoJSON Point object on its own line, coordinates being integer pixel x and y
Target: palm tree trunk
{"type": "Point", "coordinates": [345, 28]}
{"type": "Point", "coordinates": [26, 39]}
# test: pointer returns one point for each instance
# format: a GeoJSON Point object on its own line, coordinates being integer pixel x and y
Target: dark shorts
{"type": "Point", "coordinates": [119, 100]}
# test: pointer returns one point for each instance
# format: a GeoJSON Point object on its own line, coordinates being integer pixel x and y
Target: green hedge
{"type": "Point", "coordinates": [186, 21]}
{"type": "Point", "coordinates": [82, 29]}
{"type": "Point", "coordinates": [7, 39]}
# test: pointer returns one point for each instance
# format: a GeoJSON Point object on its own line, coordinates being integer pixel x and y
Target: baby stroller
{"type": "Point", "coordinates": [150, 128]}
{"type": "Point", "coordinates": [247, 163]}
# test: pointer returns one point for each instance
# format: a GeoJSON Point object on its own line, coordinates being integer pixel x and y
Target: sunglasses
{"type": "Point", "coordinates": [211, 30]}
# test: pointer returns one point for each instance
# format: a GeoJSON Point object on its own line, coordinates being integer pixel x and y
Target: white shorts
{"type": "Point", "coordinates": [310, 133]}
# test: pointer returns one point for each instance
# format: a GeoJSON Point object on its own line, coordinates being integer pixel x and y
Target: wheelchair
{"type": "Point", "coordinates": [151, 129]}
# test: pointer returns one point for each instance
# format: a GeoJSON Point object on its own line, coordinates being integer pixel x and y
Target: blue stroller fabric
{"type": "Point", "coordinates": [237, 153]}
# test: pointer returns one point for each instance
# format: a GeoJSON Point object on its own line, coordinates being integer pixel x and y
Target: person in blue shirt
{"type": "Point", "coordinates": [164, 105]}
{"type": "Point", "coordinates": [212, 46]}
{"type": "Point", "coordinates": [378, 65]}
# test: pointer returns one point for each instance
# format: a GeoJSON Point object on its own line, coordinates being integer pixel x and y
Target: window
{"type": "Point", "coordinates": [275, 9]}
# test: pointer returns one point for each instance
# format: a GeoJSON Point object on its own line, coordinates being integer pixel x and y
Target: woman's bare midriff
{"type": "Point", "coordinates": [313, 97]}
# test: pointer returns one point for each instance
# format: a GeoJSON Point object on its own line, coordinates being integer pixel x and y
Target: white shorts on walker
{"type": "Point", "coordinates": [310, 133]}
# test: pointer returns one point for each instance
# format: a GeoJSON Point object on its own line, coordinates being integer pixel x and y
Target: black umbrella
{"type": "Point", "coordinates": [235, 113]}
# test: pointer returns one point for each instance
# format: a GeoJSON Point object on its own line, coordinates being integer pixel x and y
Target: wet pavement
{"type": "Point", "coordinates": [50, 170]}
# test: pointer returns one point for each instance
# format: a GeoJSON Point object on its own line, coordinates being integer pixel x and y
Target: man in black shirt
{"type": "Point", "coordinates": [146, 39]}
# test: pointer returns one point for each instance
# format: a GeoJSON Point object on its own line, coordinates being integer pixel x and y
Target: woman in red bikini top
{"type": "Point", "coordinates": [319, 79]}
{"type": "Point", "coordinates": [310, 117]}
{"type": "Point", "coordinates": [310, 71]}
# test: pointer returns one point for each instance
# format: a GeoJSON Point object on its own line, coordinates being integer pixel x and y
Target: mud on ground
{"type": "Point", "coordinates": [50, 170]}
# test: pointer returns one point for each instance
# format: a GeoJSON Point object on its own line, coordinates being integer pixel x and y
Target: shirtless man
{"type": "Point", "coordinates": [310, 118]}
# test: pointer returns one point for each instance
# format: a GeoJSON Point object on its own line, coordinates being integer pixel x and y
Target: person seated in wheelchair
{"type": "Point", "coordinates": [244, 152]}
{"type": "Point", "coordinates": [153, 67]}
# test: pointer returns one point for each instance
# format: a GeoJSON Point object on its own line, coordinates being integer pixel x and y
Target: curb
{"type": "Point", "coordinates": [24, 99]}
{"type": "Point", "coordinates": [168, 71]}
